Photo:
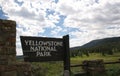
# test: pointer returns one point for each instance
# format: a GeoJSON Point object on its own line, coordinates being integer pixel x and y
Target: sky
{"type": "Point", "coordinates": [83, 20]}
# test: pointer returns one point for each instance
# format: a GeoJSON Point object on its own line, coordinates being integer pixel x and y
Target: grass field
{"type": "Point", "coordinates": [56, 68]}
{"type": "Point", "coordinates": [94, 56]}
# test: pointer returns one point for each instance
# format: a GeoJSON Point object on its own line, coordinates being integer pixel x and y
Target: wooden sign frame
{"type": "Point", "coordinates": [42, 49]}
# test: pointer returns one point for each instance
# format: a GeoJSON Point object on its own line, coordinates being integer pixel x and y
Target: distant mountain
{"type": "Point", "coordinates": [107, 42]}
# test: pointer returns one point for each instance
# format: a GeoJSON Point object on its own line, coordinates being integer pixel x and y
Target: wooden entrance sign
{"type": "Point", "coordinates": [42, 49]}
{"type": "Point", "coordinates": [36, 49]}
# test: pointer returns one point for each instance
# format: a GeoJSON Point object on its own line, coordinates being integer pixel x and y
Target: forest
{"type": "Point", "coordinates": [107, 46]}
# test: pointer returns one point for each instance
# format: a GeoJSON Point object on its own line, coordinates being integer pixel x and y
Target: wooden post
{"type": "Point", "coordinates": [66, 55]}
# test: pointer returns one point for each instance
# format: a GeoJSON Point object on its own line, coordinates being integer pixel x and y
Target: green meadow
{"type": "Point", "coordinates": [56, 68]}
{"type": "Point", "coordinates": [95, 56]}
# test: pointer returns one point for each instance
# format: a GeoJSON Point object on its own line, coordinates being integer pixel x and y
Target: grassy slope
{"type": "Point", "coordinates": [93, 56]}
{"type": "Point", "coordinates": [56, 68]}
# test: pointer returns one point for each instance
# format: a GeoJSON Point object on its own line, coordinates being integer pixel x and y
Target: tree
{"type": "Point", "coordinates": [80, 54]}
{"type": "Point", "coordinates": [110, 52]}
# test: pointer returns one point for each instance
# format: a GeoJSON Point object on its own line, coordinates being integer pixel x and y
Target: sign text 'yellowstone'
{"type": "Point", "coordinates": [42, 49]}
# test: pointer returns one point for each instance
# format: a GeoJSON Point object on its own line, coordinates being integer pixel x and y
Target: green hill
{"type": "Point", "coordinates": [106, 45]}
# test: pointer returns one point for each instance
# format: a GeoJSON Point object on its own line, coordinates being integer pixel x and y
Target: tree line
{"type": "Point", "coordinates": [105, 49]}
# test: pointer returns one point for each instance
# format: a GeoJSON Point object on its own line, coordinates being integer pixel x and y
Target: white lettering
{"type": "Point", "coordinates": [43, 54]}
{"type": "Point", "coordinates": [26, 42]}
{"type": "Point", "coordinates": [34, 49]}
{"type": "Point", "coordinates": [43, 43]}
{"type": "Point", "coordinates": [42, 48]}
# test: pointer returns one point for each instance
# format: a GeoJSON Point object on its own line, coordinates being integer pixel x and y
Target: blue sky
{"type": "Point", "coordinates": [83, 20]}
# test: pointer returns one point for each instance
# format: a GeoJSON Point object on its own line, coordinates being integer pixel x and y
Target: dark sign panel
{"type": "Point", "coordinates": [37, 49]}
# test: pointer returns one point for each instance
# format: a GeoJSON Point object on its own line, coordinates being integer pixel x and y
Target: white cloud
{"type": "Point", "coordinates": [54, 18]}
{"type": "Point", "coordinates": [93, 19]}
{"type": "Point", "coordinates": [30, 16]}
{"type": "Point", "coordinates": [56, 30]}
